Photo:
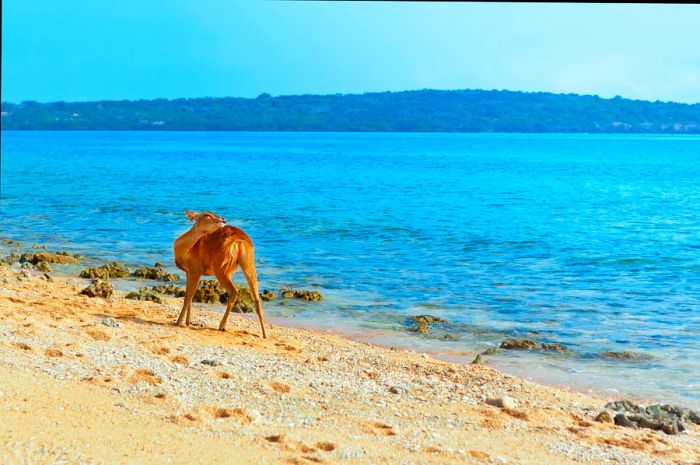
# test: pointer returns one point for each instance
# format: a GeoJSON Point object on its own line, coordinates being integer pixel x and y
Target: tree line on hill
{"type": "Point", "coordinates": [407, 111]}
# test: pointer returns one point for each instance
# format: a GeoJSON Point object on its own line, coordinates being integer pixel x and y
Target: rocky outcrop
{"type": "Point", "coordinates": [169, 289]}
{"type": "Point", "coordinates": [518, 344]}
{"type": "Point", "coordinates": [98, 288]}
{"type": "Point", "coordinates": [156, 272]}
{"type": "Point", "coordinates": [112, 270]}
{"type": "Point", "coordinates": [661, 417]}
{"type": "Point", "coordinates": [43, 260]}
{"type": "Point", "coordinates": [210, 291]}
{"type": "Point", "coordinates": [145, 294]}
{"type": "Point", "coordinates": [626, 354]}
{"type": "Point", "coordinates": [421, 324]}
{"type": "Point", "coordinates": [554, 346]}
{"type": "Point", "coordinates": [301, 294]}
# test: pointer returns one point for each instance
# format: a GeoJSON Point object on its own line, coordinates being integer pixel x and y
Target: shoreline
{"type": "Point", "coordinates": [367, 336]}
{"type": "Point", "coordinates": [392, 338]}
{"type": "Point", "coordinates": [301, 396]}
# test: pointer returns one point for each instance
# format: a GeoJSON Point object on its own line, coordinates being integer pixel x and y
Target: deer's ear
{"type": "Point", "coordinates": [191, 215]}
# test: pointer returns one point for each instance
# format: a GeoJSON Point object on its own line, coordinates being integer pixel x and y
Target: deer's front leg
{"type": "Point", "coordinates": [192, 283]}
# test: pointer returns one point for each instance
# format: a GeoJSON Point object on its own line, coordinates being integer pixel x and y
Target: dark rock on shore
{"type": "Point", "coordinates": [42, 260]}
{"type": "Point", "coordinates": [169, 289]}
{"type": "Point", "coordinates": [244, 301]}
{"type": "Point", "coordinates": [208, 292]}
{"type": "Point", "coordinates": [301, 294]}
{"type": "Point", "coordinates": [489, 351]}
{"type": "Point", "coordinates": [268, 295]}
{"type": "Point", "coordinates": [98, 288]}
{"type": "Point", "coordinates": [668, 418]}
{"type": "Point", "coordinates": [478, 360]}
{"type": "Point", "coordinates": [145, 294]}
{"type": "Point", "coordinates": [112, 270]}
{"type": "Point", "coordinates": [12, 242]}
{"type": "Point", "coordinates": [518, 344]}
{"type": "Point", "coordinates": [12, 258]}
{"type": "Point", "coordinates": [155, 272]}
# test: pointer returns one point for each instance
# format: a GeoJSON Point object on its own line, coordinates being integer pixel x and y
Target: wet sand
{"type": "Point", "coordinates": [92, 380]}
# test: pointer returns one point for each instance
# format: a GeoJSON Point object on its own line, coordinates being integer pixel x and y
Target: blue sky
{"type": "Point", "coordinates": [91, 50]}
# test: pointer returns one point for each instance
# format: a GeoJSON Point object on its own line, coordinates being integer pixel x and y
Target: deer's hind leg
{"type": "Point", "coordinates": [232, 289]}
{"type": "Point", "coordinates": [248, 269]}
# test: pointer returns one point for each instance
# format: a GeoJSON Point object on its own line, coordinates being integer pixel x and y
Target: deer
{"type": "Point", "coordinates": [213, 248]}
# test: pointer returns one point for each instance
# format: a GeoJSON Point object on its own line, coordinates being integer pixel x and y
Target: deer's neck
{"type": "Point", "coordinates": [184, 243]}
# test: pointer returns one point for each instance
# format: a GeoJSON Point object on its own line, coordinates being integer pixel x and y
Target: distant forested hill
{"type": "Point", "coordinates": [414, 111]}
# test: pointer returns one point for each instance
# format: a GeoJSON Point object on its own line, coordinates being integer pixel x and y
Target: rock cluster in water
{"type": "Point", "coordinates": [301, 294]}
{"type": "Point", "coordinates": [422, 323]}
{"type": "Point", "coordinates": [667, 418]}
{"type": "Point", "coordinates": [625, 354]}
{"type": "Point", "coordinates": [156, 272]}
{"type": "Point", "coordinates": [98, 288]}
{"type": "Point", "coordinates": [112, 270]}
{"type": "Point", "coordinates": [527, 344]}
{"type": "Point", "coordinates": [209, 291]}
{"type": "Point", "coordinates": [520, 344]}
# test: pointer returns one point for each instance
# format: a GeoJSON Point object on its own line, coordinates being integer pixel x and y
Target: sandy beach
{"type": "Point", "coordinates": [106, 381]}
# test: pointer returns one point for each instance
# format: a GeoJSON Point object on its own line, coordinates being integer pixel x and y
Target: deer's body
{"type": "Point", "coordinates": [210, 248]}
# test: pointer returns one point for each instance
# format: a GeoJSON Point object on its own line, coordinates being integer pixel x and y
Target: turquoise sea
{"type": "Point", "coordinates": [591, 241]}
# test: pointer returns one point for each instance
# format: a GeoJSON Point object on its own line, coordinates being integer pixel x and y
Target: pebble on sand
{"type": "Point", "coordinates": [502, 402]}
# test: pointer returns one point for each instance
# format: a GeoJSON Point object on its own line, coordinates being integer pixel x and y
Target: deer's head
{"type": "Point", "coordinates": [206, 222]}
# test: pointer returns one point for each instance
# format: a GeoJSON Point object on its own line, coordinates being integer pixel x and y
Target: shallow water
{"type": "Point", "coordinates": [590, 241]}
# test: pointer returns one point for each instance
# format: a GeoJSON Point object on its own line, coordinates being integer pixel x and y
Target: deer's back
{"type": "Point", "coordinates": [220, 249]}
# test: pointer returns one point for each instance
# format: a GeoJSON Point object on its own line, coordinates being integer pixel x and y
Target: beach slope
{"type": "Point", "coordinates": [91, 380]}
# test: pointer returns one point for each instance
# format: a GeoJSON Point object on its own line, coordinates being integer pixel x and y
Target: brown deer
{"type": "Point", "coordinates": [211, 248]}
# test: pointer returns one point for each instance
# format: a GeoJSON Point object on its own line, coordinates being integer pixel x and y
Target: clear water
{"type": "Point", "coordinates": [590, 241]}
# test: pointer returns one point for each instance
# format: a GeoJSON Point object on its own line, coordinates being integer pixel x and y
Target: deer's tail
{"type": "Point", "coordinates": [234, 252]}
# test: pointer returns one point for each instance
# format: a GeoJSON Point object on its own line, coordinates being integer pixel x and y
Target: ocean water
{"type": "Point", "coordinates": [592, 241]}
